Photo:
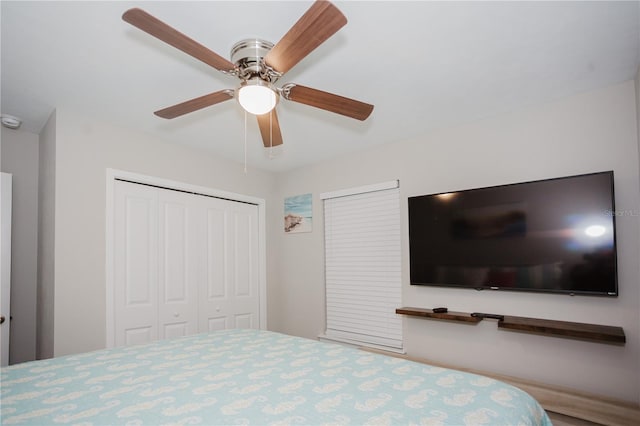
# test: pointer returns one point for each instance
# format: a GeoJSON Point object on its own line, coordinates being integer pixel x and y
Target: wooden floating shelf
{"type": "Point", "coordinates": [577, 330]}
{"type": "Point", "coordinates": [572, 330]}
{"type": "Point", "coordinates": [428, 313]}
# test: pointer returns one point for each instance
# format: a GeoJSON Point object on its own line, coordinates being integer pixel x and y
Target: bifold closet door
{"type": "Point", "coordinates": [179, 238]}
{"type": "Point", "coordinates": [184, 263]}
{"type": "Point", "coordinates": [136, 264]}
{"type": "Point", "coordinates": [229, 294]}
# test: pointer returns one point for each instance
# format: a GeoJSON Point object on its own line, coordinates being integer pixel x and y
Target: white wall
{"type": "Point", "coordinates": [85, 148]}
{"type": "Point", "coordinates": [46, 239]}
{"type": "Point", "coordinates": [20, 158]}
{"type": "Point", "coordinates": [591, 132]}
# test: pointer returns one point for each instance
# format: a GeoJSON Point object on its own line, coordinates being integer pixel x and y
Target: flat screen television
{"type": "Point", "coordinates": [555, 235]}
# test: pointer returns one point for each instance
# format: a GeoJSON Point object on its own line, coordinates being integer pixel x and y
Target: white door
{"type": "Point", "coordinates": [136, 264]}
{"type": "Point", "coordinates": [5, 266]}
{"type": "Point", "coordinates": [178, 239]}
{"type": "Point", "coordinates": [184, 263]}
{"type": "Point", "coordinates": [229, 296]}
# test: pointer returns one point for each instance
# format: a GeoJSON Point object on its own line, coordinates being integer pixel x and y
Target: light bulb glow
{"type": "Point", "coordinates": [595, 231]}
{"type": "Point", "coordinates": [446, 195]}
{"type": "Point", "coordinates": [257, 99]}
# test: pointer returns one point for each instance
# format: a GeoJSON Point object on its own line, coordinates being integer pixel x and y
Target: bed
{"type": "Point", "coordinates": [253, 377]}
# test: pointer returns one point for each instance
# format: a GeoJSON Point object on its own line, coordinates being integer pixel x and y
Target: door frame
{"type": "Point", "coordinates": [6, 191]}
{"type": "Point", "coordinates": [112, 175]}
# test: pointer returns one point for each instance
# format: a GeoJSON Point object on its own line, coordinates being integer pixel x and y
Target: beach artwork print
{"type": "Point", "coordinates": [298, 215]}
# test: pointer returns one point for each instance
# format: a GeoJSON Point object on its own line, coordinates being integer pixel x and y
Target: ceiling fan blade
{"type": "Point", "coordinates": [195, 104]}
{"type": "Point", "coordinates": [151, 25]}
{"type": "Point", "coordinates": [320, 22]}
{"type": "Point", "coordinates": [327, 101]}
{"type": "Point", "coordinates": [270, 129]}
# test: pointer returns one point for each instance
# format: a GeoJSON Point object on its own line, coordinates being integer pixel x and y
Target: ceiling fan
{"type": "Point", "coordinates": [259, 64]}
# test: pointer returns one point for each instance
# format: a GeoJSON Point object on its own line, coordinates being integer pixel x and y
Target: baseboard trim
{"type": "Point", "coordinates": [359, 345]}
{"type": "Point", "coordinates": [569, 402]}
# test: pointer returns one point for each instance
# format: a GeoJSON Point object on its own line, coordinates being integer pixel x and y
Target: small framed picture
{"type": "Point", "coordinates": [298, 214]}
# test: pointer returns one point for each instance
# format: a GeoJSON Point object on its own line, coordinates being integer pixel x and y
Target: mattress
{"type": "Point", "coordinates": [237, 377]}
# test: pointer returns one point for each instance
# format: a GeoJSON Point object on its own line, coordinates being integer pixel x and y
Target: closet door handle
{"type": "Point", "coordinates": [2, 319]}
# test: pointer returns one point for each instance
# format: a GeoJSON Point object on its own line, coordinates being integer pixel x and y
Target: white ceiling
{"type": "Point", "coordinates": [424, 65]}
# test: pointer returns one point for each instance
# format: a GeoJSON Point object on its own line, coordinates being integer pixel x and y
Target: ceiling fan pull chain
{"type": "Point", "coordinates": [245, 142]}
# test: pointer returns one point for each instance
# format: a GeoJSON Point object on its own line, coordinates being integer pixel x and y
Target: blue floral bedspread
{"type": "Point", "coordinates": [235, 377]}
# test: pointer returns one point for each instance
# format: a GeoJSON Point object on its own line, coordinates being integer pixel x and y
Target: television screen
{"type": "Point", "coordinates": [555, 235]}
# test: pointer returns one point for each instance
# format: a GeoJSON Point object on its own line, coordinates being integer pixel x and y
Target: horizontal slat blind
{"type": "Point", "coordinates": [363, 267]}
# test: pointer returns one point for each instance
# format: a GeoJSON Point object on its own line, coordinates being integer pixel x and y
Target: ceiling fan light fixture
{"type": "Point", "coordinates": [257, 96]}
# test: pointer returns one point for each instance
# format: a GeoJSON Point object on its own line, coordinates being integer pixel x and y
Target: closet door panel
{"type": "Point", "coordinates": [231, 299]}
{"type": "Point", "coordinates": [214, 250]}
{"type": "Point", "coordinates": [178, 267]}
{"type": "Point", "coordinates": [214, 295]}
{"type": "Point", "coordinates": [136, 264]}
{"type": "Point", "coordinates": [242, 231]}
{"type": "Point", "coordinates": [246, 320]}
{"type": "Point", "coordinates": [219, 323]}
{"type": "Point", "coordinates": [136, 336]}
{"type": "Point", "coordinates": [245, 303]}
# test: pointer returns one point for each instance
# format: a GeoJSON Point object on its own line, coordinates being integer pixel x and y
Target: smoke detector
{"type": "Point", "coordinates": [10, 122]}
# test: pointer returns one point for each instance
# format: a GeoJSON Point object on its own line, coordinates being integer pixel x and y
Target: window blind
{"type": "Point", "coordinates": [363, 265]}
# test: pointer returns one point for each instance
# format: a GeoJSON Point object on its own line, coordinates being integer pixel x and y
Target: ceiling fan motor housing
{"type": "Point", "coordinates": [247, 55]}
